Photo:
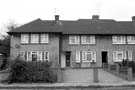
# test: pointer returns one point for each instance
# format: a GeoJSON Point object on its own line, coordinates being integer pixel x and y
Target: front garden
{"type": "Point", "coordinates": [124, 69]}
{"type": "Point", "coordinates": [21, 71]}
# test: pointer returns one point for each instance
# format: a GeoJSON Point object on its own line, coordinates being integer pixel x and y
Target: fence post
{"type": "Point", "coordinates": [103, 66]}
{"type": "Point", "coordinates": [59, 75]}
{"type": "Point", "coordinates": [109, 67]}
{"type": "Point", "coordinates": [95, 74]}
{"type": "Point", "coordinates": [117, 68]}
{"type": "Point", "coordinates": [130, 74]}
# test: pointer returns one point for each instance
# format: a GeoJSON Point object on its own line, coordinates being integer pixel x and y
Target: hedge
{"type": "Point", "coordinates": [24, 71]}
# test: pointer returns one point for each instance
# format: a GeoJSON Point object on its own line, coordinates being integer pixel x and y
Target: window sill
{"type": "Point", "coordinates": [131, 43]}
{"type": "Point", "coordinates": [118, 43]}
{"type": "Point", "coordinates": [34, 43]}
{"type": "Point", "coordinates": [117, 61]}
{"type": "Point", "coordinates": [86, 61]}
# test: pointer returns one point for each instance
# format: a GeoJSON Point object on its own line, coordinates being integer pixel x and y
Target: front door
{"type": "Point", "coordinates": [68, 59]}
{"type": "Point", "coordinates": [104, 57]}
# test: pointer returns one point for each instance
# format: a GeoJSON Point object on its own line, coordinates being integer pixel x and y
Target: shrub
{"type": "Point", "coordinates": [128, 63]}
{"type": "Point", "coordinates": [22, 71]}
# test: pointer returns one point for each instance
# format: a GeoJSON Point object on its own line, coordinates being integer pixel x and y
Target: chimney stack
{"type": "Point", "coordinates": [56, 17]}
{"type": "Point", "coordinates": [95, 17]}
{"type": "Point", "coordinates": [133, 18]}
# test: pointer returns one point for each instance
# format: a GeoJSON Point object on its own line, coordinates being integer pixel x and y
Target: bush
{"type": "Point", "coordinates": [128, 63]}
{"type": "Point", "coordinates": [22, 71]}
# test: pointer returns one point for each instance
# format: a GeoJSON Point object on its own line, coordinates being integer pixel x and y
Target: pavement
{"type": "Point", "coordinates": [80, 78]}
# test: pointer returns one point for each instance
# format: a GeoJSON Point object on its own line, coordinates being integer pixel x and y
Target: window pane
{"type": "Point", "coordinates": [89, 57]}
{"type": "Point", "coordinates": [92, 40]}
{"type": "Point", "coordinates": [88, 39]}
{"type": "Point", "coordinates": [22, 53]}
{"type": "Point", "coordinates": [77, 56]}
{"type": "Point", "coordinates": [83, 55]}
{"type": "Point", "coordinates": [29, 56]}
{"type": "Point", "coordinates": [83, 39]}
{"type": "Point", "coordinates": [131, 39]}
{"type": "Point", "coordinates": [44, 38]}
{"type": "Point", "coordinates": [34, 56]}
{"type": "Point", "coordinates": [74, 39]}
{"type": "Point", "coordinates": [39, 58]}
{"type": "Point", "coordinates": [46, 56]}
{"type": "Point", "coordinates": [77, 39]}
{"type": "Point", "coordinates": [34, 38]}
{"type": "Point", "coordinates": [24, 38]}
{"type": "Point", "coordinates": [119, 40]}
{"type": "Point", "coordinates": [130, 55]}
{"type": "Point", "coordinates": [119, 56]}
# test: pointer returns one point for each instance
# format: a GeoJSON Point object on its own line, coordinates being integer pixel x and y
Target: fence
{"type": "Point", "coordinates": [120, 71]}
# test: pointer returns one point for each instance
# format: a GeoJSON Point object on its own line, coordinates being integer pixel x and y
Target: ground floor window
{"type": "Point", "coordinates": [88, 56]}
{"type": "Point", "coordinates": [118, 56]}
{"type": "Point", "coordinates": [46, 56]}
{"type": "Point", "coordinates": [35, 55]}
{"type": "Point", "coordinates": [77, 56]}
{"type": "Point", "coordinates": [22, 55]}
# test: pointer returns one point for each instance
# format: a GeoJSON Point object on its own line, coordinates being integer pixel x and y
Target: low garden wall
{"type": "Point", "coordinates": [121, 71]}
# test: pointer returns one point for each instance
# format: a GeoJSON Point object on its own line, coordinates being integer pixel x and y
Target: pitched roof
{"type": "Point", "coordinates": [81, 26]}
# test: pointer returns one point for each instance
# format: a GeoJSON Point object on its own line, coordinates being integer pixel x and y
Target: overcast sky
{"type": "Point", "coordinates": [23, 11]}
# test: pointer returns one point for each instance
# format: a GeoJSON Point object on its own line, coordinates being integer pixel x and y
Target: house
{"type": "Point", "coordinates": [75, 43]}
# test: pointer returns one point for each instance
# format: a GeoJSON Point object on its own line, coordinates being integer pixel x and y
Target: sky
{"type": "Point", "coordinates": [24, 11]}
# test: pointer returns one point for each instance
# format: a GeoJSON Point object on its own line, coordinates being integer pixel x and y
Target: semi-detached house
{"type": "Point", "coordinates": [74, 43]}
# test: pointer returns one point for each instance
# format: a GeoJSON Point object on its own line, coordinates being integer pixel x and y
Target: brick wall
{"type": "Point", "coordinates": [52, 47]}
{"type": "Point", "coordinates": [103, 43]}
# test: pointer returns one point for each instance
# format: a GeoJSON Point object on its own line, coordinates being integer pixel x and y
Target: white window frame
{"type": "Point", "coordinates": [130, 55]}
{"type": "Point", "coordinates": [131, 39]}
{"type": "Point", "coordinates": [44, 38]}
{"type": "Point", "coordinates": [78, 59]}
{"type": "Point", "coordinates": [91, 39]}
{"type": "Point", "coordinates": [115, 56]}
{"type": "Point", "coordinates": [22, 55]}
{"type": "Point", "coordinates": [29, 58]}
{"type": "Point", "coordinates": [85, 53]}
{"type": "Point", "coordinates": [116, 41]}
{"type": "Point", "coordinates": [75, 37]}
{"type": "Point", "coordinates": [34, 38]}
{"type": "Point", "coordinates": [24, 38]}
{"type": "Point", "coordinates": [39, 55]}
{"type": "Point", "coordinates": [46, 56]}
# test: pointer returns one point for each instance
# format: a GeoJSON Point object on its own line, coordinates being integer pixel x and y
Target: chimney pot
{"type": "Point", "coordinates": [56, 17]}
{"type": "Point", "coordinates": [133, 18]}
{"type": "Point", "coordinates": [95, 17]}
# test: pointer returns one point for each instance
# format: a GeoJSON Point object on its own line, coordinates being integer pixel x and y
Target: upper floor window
{"type": "Point", "coordinates": [88, 56]}
{"type": "Point", "coordinates": [131, 39]}
{"type": "Point", "coordinates": [34, 38]}
{"type": "Point", "coordinates": [44, 38]}
{"type": "Point", "coordinates": [74, 39]}
{"type": "Point", "coordinates": [24, 38]}
{"type": "Point", "coordinates": [119, 40]}
{"type": "Point", "coordinates": [88, 39]}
